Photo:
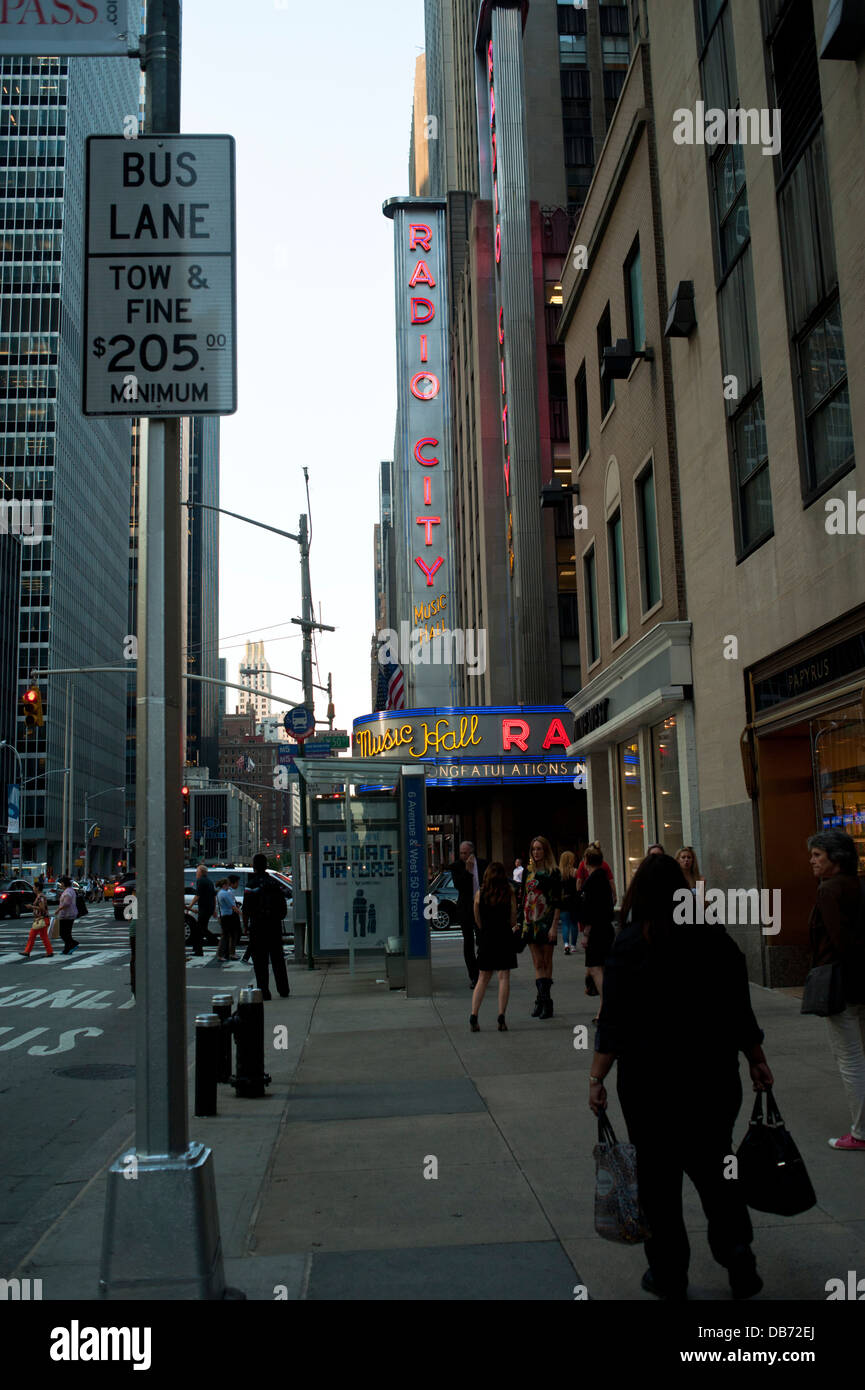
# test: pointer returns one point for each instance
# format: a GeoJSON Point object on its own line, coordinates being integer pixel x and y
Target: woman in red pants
{"type": "Point", "coordinates": [40, 928]}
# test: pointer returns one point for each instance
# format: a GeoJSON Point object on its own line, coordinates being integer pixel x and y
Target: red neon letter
{"type": "Point", "coordinates": [419, 457]}
{"type": "Point", "coordinates": [502, 324]}
{"type": "Point", "coordinates": [429, 522]}
{"type": "Point", "coordinates": [505, 424]}
{"type": "Point", "coordinates": [427, 304]}
{"type": "Point", "coordinates": [421, 276]}
{"type": "Point", "coordinates": [498, 242]}
{"type": "Point", "coordinates": [427, 492]}
{"type": "Point", "coordinates": [508, 476]}
{"type": "Point", "coordinates": [423, 353]}
{"type": "Point", "coordinates": [492, 107]}
{"type": "Point", "coordinates": [556, 734]}
{"type": "Point", "coordinates": [504, 391]}
{"type": "Point", "coordinates": [430, 392]}
{"type": "Point", "coordinates": [490, 58]}
{"type": "Point", "coordinates": [495, 151]}
{"type": "Point", "coordinates": [421, 236]}
{"type": "Point", "coordinates": [429, 570]}
{"type": "Point", "coordinates": [515, 733]}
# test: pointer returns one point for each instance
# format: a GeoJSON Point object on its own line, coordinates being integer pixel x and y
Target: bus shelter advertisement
{"type": "Point", "coordinates": [369, 913]}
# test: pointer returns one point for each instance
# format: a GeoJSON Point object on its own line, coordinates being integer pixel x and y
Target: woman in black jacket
{"type": "Point", "coordinates": [838, 935]}
{"type": "Point", "coordinates": [596, 916]}
{"type": "Point", "coordinates": [675, 1015]}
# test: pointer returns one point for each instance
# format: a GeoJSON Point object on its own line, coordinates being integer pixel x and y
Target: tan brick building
{"type": "Point", "coordinates": [765, 240]}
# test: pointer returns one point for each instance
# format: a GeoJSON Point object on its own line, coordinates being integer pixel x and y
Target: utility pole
{"type": "Point", "coordinates": [161, 1236]}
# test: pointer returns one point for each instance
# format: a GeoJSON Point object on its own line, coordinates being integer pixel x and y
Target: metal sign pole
{"type": "Point", "coordinates": [161, 1236]}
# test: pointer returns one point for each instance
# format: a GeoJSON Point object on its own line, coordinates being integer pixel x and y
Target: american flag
{"type": "Point", "coordinates": [245, 764]}
{"type": "Point", "coordinates": [391, 688]}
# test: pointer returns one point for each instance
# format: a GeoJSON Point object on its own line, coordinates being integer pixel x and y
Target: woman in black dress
{"type": "Point", "coordinates": [496, 918]}
{"type": "Point", "coordinates": [596, 917]}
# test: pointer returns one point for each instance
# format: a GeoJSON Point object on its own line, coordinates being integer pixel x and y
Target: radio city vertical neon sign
{"type": "Point", "coordinates": [424, 386]}
{"type": "Point", "coordinates": [501, 323]}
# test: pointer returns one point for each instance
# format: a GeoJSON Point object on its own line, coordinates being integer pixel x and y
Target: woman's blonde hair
{"type": "Point", "coordinates": [566, 864]}
{"type": "Point", "coordinates": [549, 857]}
{"type": "Point", "coordinates": [695, 867]}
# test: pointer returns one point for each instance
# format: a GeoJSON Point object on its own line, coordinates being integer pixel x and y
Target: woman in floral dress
{"type": "Point", "coordinates": [539, 918]}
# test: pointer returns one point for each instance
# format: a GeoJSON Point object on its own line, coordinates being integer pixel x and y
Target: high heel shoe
{"type": "Point", "coordinates": [503, 1027]}
{"type": "Point", "coordinates": [473, 1023]}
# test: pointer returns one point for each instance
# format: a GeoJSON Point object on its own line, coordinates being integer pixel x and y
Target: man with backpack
{"type": "Point", "coordinates": [263, 912]}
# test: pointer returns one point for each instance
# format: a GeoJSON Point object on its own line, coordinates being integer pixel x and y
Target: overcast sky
{"type": "Point", "coordinates": [318, 99]}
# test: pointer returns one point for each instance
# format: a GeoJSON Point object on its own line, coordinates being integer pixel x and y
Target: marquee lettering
{"type": "Point", "coordinates": [421, 276]}
{"type": "Point", "coordinates": [420, 236]}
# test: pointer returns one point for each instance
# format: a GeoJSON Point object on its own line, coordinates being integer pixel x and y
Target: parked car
{"type": "Point", "coordinates": [442, 888]}
{"type": "Point", "coordinates": [16, 897]}
{"type": "Point", "coordinates": [217, 872]}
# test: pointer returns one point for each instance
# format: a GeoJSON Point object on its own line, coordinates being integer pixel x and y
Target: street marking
{"type": "Point", "coordinates": [95, 958]}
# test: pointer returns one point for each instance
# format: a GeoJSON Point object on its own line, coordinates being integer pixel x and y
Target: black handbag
{"type": "Point", "coordinates": [80, 905]}
{"type": "Point", "coordinates": [824, 991]}
{"type": "Point", "coordinates": [771, 1173]}
{"type": "Point", "coordinates": [520, 942]}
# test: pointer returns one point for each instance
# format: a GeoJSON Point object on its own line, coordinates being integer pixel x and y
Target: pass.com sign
{"type": "Point", "coordinates": [77, 28]}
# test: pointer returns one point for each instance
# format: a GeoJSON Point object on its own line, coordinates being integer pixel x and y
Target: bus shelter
{"type": "Point", "coordinates": [367, 826]}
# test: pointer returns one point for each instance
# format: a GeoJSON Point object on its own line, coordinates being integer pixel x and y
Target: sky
{"type": "Point", "coordinates": [318, 98]}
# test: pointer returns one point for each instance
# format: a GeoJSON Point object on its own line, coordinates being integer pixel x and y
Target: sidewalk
{"type": "Point", "coordinates": [322, 1188]}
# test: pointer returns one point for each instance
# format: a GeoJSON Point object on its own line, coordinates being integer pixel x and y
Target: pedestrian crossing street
{"type": "Point", "coordinates": [103, 942]}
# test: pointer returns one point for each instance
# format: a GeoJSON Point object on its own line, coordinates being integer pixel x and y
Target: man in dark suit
{"type": "Point", "coordinates": [468, 875]}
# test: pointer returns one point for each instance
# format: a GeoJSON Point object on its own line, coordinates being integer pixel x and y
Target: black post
{"type": "Point", "coordinates": [250, 1077]}
{"type": "Point", "coordinates": [223, 1007]}
{"type": "Point", "coordinates": [208, 1028]}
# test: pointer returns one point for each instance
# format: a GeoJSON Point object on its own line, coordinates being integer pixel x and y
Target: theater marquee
{"type": "Point", "coordinates": [474, 745]}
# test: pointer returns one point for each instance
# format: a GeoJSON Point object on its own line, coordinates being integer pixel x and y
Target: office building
{"type": "Point", "coordinates": [74, 582]}
{"type": "Point", "coordinates": [255, 674]}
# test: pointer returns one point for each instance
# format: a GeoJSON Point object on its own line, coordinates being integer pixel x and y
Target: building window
{"type": "Point", "coordinates": [731, 205]}
{"type": "Point", "coordinates": [634, 298]}
{"type": "Point", "coordinates": [618, 592]}
{"type": "Point", "coordinates": [605, 339]}
{"type": "Point", "coordinates": [582, 402]}
{"type": "Point", "coordinates": [823, 373]}
{"type": "Point", "coordinates": [754, 494]}
{"type": "Point", "coordinates": [616, 50]}
{"type": "Point", "coordinates": [590, 580]}
{"type": "Point", "coordinates": [568, 616]}
{"type": "Point", "coordinates": [647, 521]}
{"type": "Point", "coordinates": [631, 791]}
{"type": "Point", "coordinates": [668, 796]}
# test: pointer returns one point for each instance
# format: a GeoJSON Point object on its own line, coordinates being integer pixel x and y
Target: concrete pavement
{"type": "Point", "coordinates": [399, 1156]}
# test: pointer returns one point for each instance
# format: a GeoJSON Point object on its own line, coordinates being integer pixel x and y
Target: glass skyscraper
{"type": "Point", "coordinates": [74, 583]}
{"type": "Point", "coordinates": [202, 650]}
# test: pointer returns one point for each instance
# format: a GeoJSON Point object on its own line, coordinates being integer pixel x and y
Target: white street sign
{"type": "Point", "coordinates": [160, 307]}
{"type": "Point", "coordinates": [67, 28]}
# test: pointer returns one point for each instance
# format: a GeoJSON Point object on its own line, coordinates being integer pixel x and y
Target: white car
{"type": "Point", "coordinates": [216, 873]}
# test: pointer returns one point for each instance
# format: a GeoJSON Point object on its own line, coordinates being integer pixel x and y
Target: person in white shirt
{"type": "Point", "coordinates": [518, 872]}
{"type": "Point", "coordinates": [229, 919]}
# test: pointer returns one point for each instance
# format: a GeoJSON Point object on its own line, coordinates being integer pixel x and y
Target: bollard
{"type": "Point", "coordinates": [207, 1028]}
{"type": "Point", "coordinates": [250, 1078]}
{"type": "Point", "coordinates": [223, 1007]}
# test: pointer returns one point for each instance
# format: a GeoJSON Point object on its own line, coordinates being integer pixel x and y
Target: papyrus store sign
{"type": "Point", "coordinates": [159, 318]}
{"type": "Point", "coordinates": [423, 478]}
{"type": "Point", "coordinates": [67, 28]}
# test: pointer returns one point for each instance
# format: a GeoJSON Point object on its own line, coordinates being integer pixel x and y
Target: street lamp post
{"type": "Point", "coordinates": [4, 743]}
{"type": "Point", "coordinates": [88, 797]}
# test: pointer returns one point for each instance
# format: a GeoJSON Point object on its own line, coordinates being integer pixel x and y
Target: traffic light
{"type": "Point", "coordinates": [184, 792]}
{"type": "Point", "coordinates": [285, 830]}
{"type": "Point", "coordinates": [31, 707]}
{"type": "Point", "coordinates": [187, 834]}
{"type": "Point", "coordinates": [96, 832]}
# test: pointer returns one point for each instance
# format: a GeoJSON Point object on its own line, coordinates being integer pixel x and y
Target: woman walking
{"type": "Point", "coordinates": [67, 911]}
{"type": "Point", "coordinates": [41, 924]}
{"type": "Point", "coordinates": [680, 1062]}
{"type": "Point", "coordinates": [596, 917]}
{"type": "Point", "coordinates": [539, 918]}
{"type": "Point", "coordinates": [570, 897]}
{"type": "Point", "coordinates": [584, 870]}
{"type": "Point", "coordinates": [496, 917]}
{"type": "Point", "coordinates": [686, 859]}
{"type": "Point", "coordinates": [838, 936]}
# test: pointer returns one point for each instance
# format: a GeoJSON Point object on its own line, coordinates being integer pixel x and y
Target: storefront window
{"type": "Point", "coordinates": [668, 797]}
{"type": "Point", "coordinates": [632, 807]}
{"type": "Point", "coordinates": [838, 750]}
